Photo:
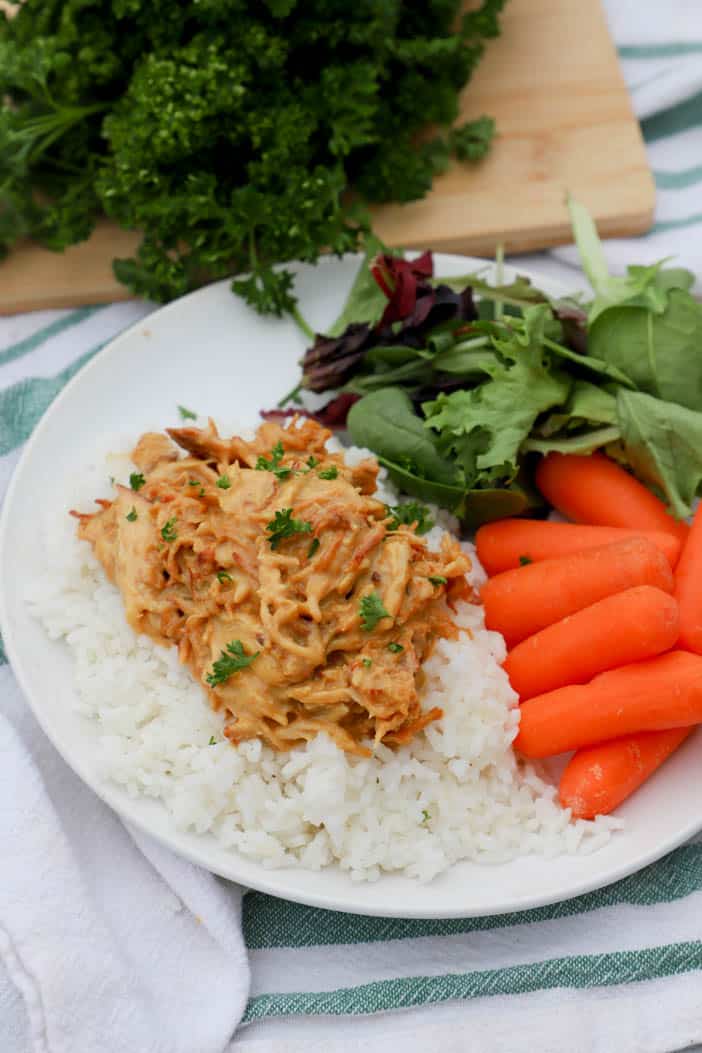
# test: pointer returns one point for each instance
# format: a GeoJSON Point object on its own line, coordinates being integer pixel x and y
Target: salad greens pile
{"type": "Point", "coordinates": [228, 131]}
{"type": "Point", "coordinates": [458, 397]}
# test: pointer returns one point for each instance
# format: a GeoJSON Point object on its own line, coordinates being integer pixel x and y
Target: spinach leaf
{"type": "Point", "coordinates": [660, 352]}
{"type": "Point", "coordinates": [451, 496]}
{"type": "Point", "coordinates": [386, 423]}
{"type": "Point", "coordinates": [366, 300]}
{"type": "Point", "coordinates": [471, 358]}
{"type": "Point", "coordinates": [663, 445]}
{"type": "Point", "coordinates": [590, 363]}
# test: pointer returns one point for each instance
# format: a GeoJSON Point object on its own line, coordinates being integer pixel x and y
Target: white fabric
{"type": "Point", "coordinates": [110, 944]}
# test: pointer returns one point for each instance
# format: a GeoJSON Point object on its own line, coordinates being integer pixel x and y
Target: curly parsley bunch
{"type": "Point", "coordinates": [228, 131]}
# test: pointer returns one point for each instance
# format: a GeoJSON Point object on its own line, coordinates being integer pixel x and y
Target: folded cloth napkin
{"type": "Point", "coordinates": [110, 944]}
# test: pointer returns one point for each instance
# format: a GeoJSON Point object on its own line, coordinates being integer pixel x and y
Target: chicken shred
{"type": "Point", "coordinates": [271, 624]}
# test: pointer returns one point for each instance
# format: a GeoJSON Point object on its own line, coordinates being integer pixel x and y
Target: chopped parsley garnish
{"type": "Point", "coordinates": [367, 662]}
{"type": "Point", "coordinates": [232, 659]}
{"type": "Point", "coordinates": [186, 414]}
{"type": "Point", "coordinates": [329, 473]}
{"type": "Point", "coordinates": [312, 461]}
{"type": "Point", "coordinates": [425, 816]}
{"type": "Point", "coordinates": [409, 513]}
{"type": "Point", "coordinates": [136, 480]}
{"type": "Point", "coordinates": [222, 576]}
{"type": "Point", "coordinates": [371, 612]}
{"type": "Point", "coordinates": [131, 515]}
{"type": "Point", "coordinates": [524, 561]}
{"type": "Point", "coordinates": [438, 579]}
{"type": "Point", "coordinates": [223, 482]}
{"type": "Point", "coordinates": [168, 530]}
{"type": "Point", "coordinates": [395, 648]}
{"type": "Point", "coordinates": [285, 526]}
{"type": "Point", "coordinates": [112, 480]}
{"type": "Point", "coordinates": [313, 547]}
{"type": "Point", "coordinates": [213, 741]}
{"type": "Point", "coordinates": [277, 454]}
{"type": "Point", "coordinates": [196, 482]}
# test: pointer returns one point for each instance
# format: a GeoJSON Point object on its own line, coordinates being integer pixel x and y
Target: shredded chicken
{"type": "Point", "coordinates": [322, 625]}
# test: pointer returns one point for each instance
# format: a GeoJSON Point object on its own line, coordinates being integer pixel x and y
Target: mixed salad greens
{"type": "Point", "coordinates": [459, 386]}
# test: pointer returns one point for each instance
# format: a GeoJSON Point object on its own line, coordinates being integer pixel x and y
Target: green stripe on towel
{"type": "Point", "coordinates": [31, 343]}
{"type": "Point", "coordinates": [271, 922]}
{"type": "Point", "coordinates": [23, 403]}
{"type": "Point", "coordinates": [680, 118]}
{"type": "Point", "coordinates": [592, 970]}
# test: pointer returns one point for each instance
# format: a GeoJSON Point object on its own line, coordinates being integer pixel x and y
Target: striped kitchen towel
{"type": "Point", "coordinates": [617, 971]}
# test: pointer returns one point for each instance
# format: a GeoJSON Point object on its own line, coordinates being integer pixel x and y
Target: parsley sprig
{"type": "Point", "coordinates": [409, 513]}
{"type": "Point", "coordinates": [136, 480]}
{"type": "Point", "coordinates": [329, 473]}
{"type": "Point", "coordinates": [232, 659]}
{"type": "Point", "coordinates": [274, 465]}
{"type": "Point", "coordinates": [168, 530]}
{"type": "Point", "coordinates": [283, 525]}
{"type": "Point", "coordinates": [371, 612]}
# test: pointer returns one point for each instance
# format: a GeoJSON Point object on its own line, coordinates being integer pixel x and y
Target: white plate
{"type": "Point", "coordinates": [209, 351]}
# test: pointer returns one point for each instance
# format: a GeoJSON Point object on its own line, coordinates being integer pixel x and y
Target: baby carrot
{"type": "Point", "coordinates": [626, 627]}
{"type": "Point", "coordinates": [509, 543]}
{"type": "Point", "coordinates": [599, 778]}
{"type": "Point", "coordinates": [595, 490]}
{"type": "Point", "coordinates": [523, 601]}
{"type": "Point", "coordinates": [688, 588]}
{"type": "Point", "coordinates": [660, 693]}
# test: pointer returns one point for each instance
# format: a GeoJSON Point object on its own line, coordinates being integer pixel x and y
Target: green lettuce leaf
{"type": "Point", "coordinates": [497, 416]}
{"type": "Point", "coordinates": [663, 445]}
{"type": "Point", "coordinates": [646, 287]}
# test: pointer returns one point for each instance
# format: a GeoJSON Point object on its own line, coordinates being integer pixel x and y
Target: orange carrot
{"type": "Point", "coordinates": [661, 693]}
{"type": "Point", "coordinates": [595, 490]}
{"type": "Point", "coordinates": [599, 778]}
{"type": "Point", "coordinates": [688, 588]}
{"type": "Point", "coordinates": [626, 627]}
{"type": "Point", "coordinates": [523, 601]}
{"type": "Point", "coordinates": [509, 543]}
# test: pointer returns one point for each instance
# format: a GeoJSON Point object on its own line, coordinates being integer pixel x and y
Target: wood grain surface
{"type": "Point", "coordinates": [565, 122]}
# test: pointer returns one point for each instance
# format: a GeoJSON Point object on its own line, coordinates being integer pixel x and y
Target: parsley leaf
{"type": "Point", "coordinates": [329, 473]}
{"type": "Point", "coordinates": [371, 611]}
{"type": "Point", "coordinates": [312, 461]}
{"type": "Point", "coordinates": [232, 659]}
{"type": "Point", "coordinates": [168, 530]}
{"type": "Point", "coordinates": [395, 648]}
{"type": "Point", "coordinates": [277, 454]}
{"type": "Point", "coordinates": [136, 480]}
{"type": "Point", "coordinates": [222, 576]}
{"type": "Point", "coordinates": [213, 741]}
{"type": "Point", "coordinates": [438, 579]}
{"type": "Point", "coordinates": [314, 545]}
{"type": "Point", "coordinates": [409, 513]}
{"type": "Point", "coordinates": [524, 561]}
{"type": "Point", "coordinates": [283, 525]}
{"type": "Point", "coordinates": [425, 816]}
{"type": "Point", "coordinates": [186, 414]}
{"type": "Point", "coordinates": [131, 515]}
{"type": "Point", "coordinates": [367, 662]}
{"type": "Point", "coordinates": [223, 482]}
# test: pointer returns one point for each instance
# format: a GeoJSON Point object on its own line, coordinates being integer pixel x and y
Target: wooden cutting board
{"type": "Point", "coordinates": [565, 122]}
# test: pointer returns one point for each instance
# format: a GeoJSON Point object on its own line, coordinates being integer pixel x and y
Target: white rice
{"type": "Point", "coordinates": [456, 792]}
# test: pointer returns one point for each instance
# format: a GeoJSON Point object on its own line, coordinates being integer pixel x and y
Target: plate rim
{"type": "Point", "coordinates": [113, 796]}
